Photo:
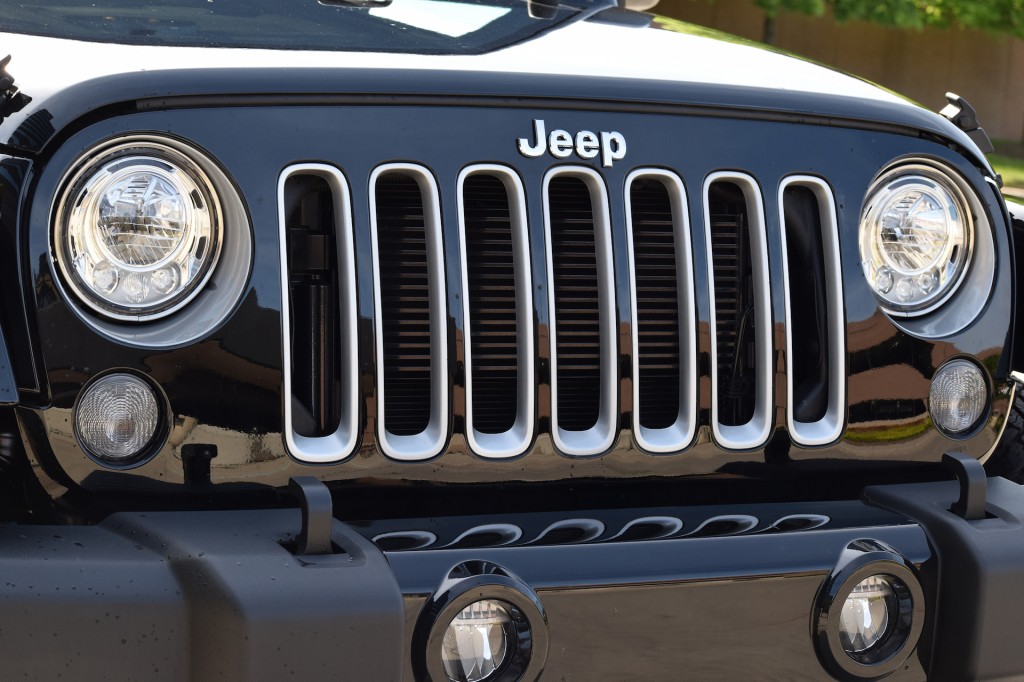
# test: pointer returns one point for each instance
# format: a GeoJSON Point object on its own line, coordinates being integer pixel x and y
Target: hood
{"type": "Point", "coordinates": [683, 65]}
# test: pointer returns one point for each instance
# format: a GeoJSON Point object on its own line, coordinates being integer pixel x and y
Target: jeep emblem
{"type": "Point", "coordinates": [587, 145]}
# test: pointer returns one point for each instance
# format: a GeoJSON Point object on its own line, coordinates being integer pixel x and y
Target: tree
{"type": "Point", "coordinates": [1001, 16]}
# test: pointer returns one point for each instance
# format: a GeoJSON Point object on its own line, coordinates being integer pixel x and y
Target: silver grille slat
{"type": "Point", "coordinates": [680, 433]}
{"type": "Point", "coordinates": [827, 429]}
{"type": "Point", "coordinates": [754, 433]}
{"type": "Point", "coordinates": [430, 440]}
{"type": "Point", "coordinates": [340, 444]}
{"type": "Point", "coordinates": [597, 438]}
{"type": "Point", "coordinates": [516, 439]}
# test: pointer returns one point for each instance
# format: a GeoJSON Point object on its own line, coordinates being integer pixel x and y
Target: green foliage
{"type": "Point", "coordinates": [1003, 16]}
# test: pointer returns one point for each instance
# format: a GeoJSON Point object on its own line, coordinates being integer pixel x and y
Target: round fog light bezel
{"type": "Point", "coordinates": [862, 560]}
{"type": "Point", "coordinates": [471, 582]}
{"type": "Point", "coordinates": [146, 451]}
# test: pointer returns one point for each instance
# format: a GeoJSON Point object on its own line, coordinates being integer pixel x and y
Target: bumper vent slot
{"type": "Point", "coordinates": [318, 309]}
{"type": "Point", "coordinates": [491, 535]}
{"type": "Point", "coordinates": [498, 310]}
{"type": "Point", "coordinates": [649, 528]}
{"type": "Point", "coordinates": [815, 327]}
{"type": "Point", "coordinates": [570, 532]}
{"type": "Point", "coordinates": [404, 541]}
{"type": "Point", "coordinates": [740, 314]}
{"type": "Point", "coordinates": [412, 387]}
{"type": "Point", "coordinates": [664, 338]}
{"type": "Point", "coordinates": [582, 314]}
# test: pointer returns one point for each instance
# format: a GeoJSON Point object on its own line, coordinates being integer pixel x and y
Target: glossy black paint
{"type": "Point", "coordinates": [225, 389]}
{"type": "Point", "coordinates": [17, 330]}
{"type": "Point", "coordinates": [54, 114]}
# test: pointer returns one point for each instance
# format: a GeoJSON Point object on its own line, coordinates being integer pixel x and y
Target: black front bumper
{"type": "Point", "coordinates": [225, 596]}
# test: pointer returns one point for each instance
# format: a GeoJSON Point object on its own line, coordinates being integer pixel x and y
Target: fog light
{"type": "Point", "coordinates": [869, 612]}
{"type": "Point", "coordinates": [482, 624]}
{"type": "Point", "coordinates": [476, 642]}
{"type": "Point", "coordinates": [117, 419]}
{"type": "Point", "coordinates": [866, 614]}
{"type": "Point", "coordinates": [958, 397]}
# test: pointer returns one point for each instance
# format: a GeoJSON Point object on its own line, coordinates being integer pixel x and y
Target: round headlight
{"type": "Point", "coordinates": [916, 239]}
{"type": "Point", "coordinates": [138, 231]}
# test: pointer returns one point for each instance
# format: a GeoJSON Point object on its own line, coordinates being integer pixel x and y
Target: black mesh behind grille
{"type": "Point", "coordinates": [657, 304]}
{"type": "Point", "coordinates": [405, 304]}
{"type": "Point", "coordinates": [734, 304]}
{"type": "Point", "coordinates": [492, 303]}
{"type": "Point", "coordinates": [578, 335]}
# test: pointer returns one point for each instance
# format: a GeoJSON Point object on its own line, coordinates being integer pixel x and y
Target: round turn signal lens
{"type": "Point", "coordinates": [117, 419]}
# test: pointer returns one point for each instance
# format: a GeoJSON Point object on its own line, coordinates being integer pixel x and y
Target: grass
{"type": "Point", "coordinates": [1012, 169]}
{"type": "Point", "coordinates": [1009, 162]}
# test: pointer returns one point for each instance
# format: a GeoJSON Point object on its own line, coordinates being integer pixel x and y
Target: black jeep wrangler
{"type": "Point", "coordinates": [493, 340]}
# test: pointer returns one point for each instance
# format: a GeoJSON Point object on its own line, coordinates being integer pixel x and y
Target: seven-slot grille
{"type": "Point", "coordinates": [413, 383]}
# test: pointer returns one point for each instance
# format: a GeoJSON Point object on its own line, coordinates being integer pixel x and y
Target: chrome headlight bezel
{"type": "Point", "coordinates": [79, 250]}
{"type": "Point", "coordinates": [908, 288]}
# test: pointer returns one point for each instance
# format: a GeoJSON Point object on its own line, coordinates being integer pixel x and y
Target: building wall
{"type": "Point", "coordinates": [985, 68]}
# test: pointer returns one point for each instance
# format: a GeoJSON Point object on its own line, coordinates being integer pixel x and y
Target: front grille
{"type": "Point", "coordinates": [414, 388]}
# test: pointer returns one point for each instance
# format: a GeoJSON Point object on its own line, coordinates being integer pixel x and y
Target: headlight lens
{"type": "Point", "coordinates": [138, 231]}
{"type": "Point", "coordinates": [916, 237]}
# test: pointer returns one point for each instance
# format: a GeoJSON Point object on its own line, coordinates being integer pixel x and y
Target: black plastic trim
{"type": "Point", "coordinates": [973, 630]}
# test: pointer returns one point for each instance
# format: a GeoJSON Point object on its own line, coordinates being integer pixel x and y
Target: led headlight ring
{"type": "Point", "coordinates": [916, 238]}
{"type": "Point", "coordinates": [138, 230]}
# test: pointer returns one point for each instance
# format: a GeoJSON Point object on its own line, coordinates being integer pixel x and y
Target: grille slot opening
{"type": "Point", "coordinates": [411, 312]}
{"type": "Point", "coordinates": [735, 318]}
{"type": "Point", "coordinates": [815, 324]}
{"type": "Point", "coordinates": [498, 311]}
{"type": "Point", "coordinates": [577, 303]}
{"type": "Point", "coordinates": [312, 291]}
{"type": "Point", "coordinates": [492, 303]}
{"type": "Point", "coordinates": [405, 303]}
{"type": "Point", "coordinates": [664, 325]}
{"type": "Point", "coordinates": [318, 312]}
{"type": "Point", "coordinates": [657, 300]}
{"type": "Point", "coordinates": [807, 304]}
